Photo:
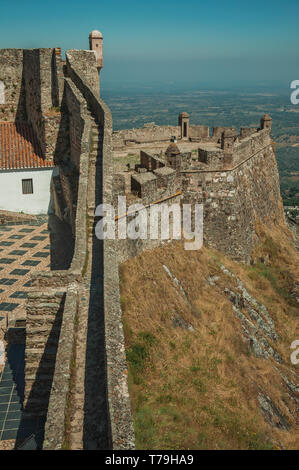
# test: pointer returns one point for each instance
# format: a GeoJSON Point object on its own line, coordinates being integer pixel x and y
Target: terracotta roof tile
{"type": "Point", "coordinates": [19, 147]}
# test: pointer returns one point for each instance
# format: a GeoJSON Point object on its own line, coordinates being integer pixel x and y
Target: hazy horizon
{"type": "Point", "coordinates": [219, 44]}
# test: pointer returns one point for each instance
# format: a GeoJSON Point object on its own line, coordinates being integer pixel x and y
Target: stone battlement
{"type": "Point", "coordinates": [233, 175]}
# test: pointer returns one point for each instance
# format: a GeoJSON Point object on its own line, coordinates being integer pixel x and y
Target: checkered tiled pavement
{"type": "Point", "coordinates": [14, 423]}
{"type": "Point", "coordinates": [23, 249]}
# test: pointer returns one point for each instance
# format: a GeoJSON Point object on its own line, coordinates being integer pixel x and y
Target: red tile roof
{"type": "Point", "coordinates": [19, 147]}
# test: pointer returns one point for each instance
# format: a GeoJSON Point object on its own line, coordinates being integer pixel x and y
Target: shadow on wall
{"type": "Point", "coordinates": [54, 81]}
{"type": "Point", "coordinates": [96, 431]}
{"type": "Point", "coordinates": [41, 388]}
{"type": "Point", "coordinates": [32, 98]}
{"type": "Point", "coordinates": [68, 178]}
{"type": "Point", "coordinates": [61, 244]}
{"type": "Point", "coordinates": [62, 148]}
{"type": "Point", "coordinates": [29, 88]}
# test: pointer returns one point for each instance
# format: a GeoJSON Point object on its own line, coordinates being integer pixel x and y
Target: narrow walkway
{"type": "Point", "coordinates": [89, 407]}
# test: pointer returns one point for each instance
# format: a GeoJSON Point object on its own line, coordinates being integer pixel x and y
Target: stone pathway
{"type": "Point", "coordinates": [88, 415]}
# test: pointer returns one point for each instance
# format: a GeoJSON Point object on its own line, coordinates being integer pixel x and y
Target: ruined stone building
{"type": "Point", "coordinates": [75, 370]}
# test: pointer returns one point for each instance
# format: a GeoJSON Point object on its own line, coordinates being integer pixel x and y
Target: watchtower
{"type": "Point", "coordinates": [266, 122]}
{"type": "Point", "coordinates": [96, 45]}
{"type": "Point", "coordinates": [228, 138]}
{"type": "Point", "coordinates": [184, 125]}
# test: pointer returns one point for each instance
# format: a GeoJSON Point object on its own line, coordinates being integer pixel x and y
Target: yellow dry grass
{"type": "Point", "coordinates": [197, 388]}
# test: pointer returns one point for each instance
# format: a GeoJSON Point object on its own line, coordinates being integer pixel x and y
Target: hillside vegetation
{"type": "Point", "coordinates": [208, 346]}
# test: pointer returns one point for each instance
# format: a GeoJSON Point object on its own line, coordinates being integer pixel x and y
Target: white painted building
{"type": "Point", "coordinates": [25, 177]}
{"type": "Point", "coordinates": [26, 191]}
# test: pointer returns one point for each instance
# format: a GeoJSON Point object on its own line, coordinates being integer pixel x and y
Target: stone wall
{"type": "Point", "coordinates": [154, 133]}
{"type": "Point", "coordinates": [33, 80]}
{"type": "Point", "coordinates": [146, 134]}
{"type": "Point", "coordinates": [199, 132]}
{"type": "Point", "coordinates": [11, 74]}
{"type": "Point", "coordinates": [250, 145]}
{"type": "Point", "coordinates": [49, 327]}
{"type": "Point", "coordinates": [234, 200]}
{"type": "Point", "coordinates": [43, 324]}
{"type": "Point", "coordinates": [218, 131]}
{"type": "Point", "coordinates": [129, 248]}
{"type": "Point", "coordinates": [92, 189]}
{"type": "Point", "coordinates": [236, 192]}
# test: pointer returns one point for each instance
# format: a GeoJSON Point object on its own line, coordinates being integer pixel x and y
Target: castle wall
{"type": "Point", "coordinates": [95, 186]}
{"type": "Point", "coordinates": [84, 65]}
{"type": "Point", "coordinates": [11, 73]}
{"type": "Point", "coordinates": [128, 248]}
{"type": "Point", "coordinates": [218, 131]}
{"type": "Point", "coordinates": [43, 323]}
{"type": "Point", "coordinates": [42, 94]}
{"type": "Point", "coordinates": [50, 320]}
{"type": "Point", "coordinates": [153, 133]}
{"type": "Point", "coordinates": [33, 80]}
{"type": "Point", "coordinates": [234, 200]}
{"type": "Point", "coordinates": [250, 145]}
{"type": "Point", "coordinates": [199, 132]}
{"type": "Point", "coordinates": [145, 134]}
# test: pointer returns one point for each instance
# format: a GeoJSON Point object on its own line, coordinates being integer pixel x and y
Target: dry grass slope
{"type": "Point", "coordinates": [193, 380]}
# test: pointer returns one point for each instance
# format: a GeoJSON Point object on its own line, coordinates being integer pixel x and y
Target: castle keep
{"type": "Point", "coordinates": [76, 371]}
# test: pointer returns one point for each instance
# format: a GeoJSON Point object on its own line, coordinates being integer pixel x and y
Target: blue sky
{"type": "Point", "coordinates": [179, 41]}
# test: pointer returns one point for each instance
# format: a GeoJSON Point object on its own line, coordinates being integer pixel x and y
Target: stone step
{"type": "Point", "coordinates": [38, 352]}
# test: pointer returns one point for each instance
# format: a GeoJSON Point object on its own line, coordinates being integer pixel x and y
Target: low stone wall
{"type": "Point", "coordinates": [145, 134]}
{"type": "Point", "coordinates": [154, 133]}
{"type": "Point", "coordinates": [59, 399]}
{"type": "Point", "coordinates": [16, 217]}
{"type": "Point", "coordinates": [43, 322]}
{"type": "Point", "coordinates": [199, 132]}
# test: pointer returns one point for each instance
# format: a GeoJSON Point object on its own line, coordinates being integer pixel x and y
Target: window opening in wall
{"type": "Point", "coordinates": [185, 129]}
{"type": "Point", "coordinates": [27, 186]}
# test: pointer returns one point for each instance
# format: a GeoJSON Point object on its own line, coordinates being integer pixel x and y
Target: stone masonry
{"type": "Point", "coordinates": [234, 176]}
